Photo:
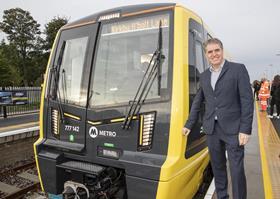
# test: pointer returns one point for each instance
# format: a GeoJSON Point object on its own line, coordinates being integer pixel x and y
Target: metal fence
{"type": "Point", "coordinates": [32, 105]}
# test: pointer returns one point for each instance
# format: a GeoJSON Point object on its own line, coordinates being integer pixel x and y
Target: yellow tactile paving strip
{"type": "Point", "coordinates": [270, 151]}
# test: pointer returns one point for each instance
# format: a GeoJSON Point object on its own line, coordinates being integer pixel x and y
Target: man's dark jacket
{"type": "Point", "coordinates": [231, 101]}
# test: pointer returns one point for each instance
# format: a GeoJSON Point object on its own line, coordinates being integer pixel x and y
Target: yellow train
{"type": "Point", "coordinates": [118, 89]}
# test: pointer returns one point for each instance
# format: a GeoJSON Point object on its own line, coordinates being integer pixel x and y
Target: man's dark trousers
{"type": "Point", "coordinates": [218, 143]}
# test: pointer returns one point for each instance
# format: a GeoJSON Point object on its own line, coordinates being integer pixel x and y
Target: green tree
{"type": "Point", "coordinates": [22, 32]}
{"type": "Point", "coordinates": [51, 30]}
{"type": "Point", "coordinates": [5, 71]}
{"type": "Point", "coordinates": [39, 61]}
{"type": "Point", "coordinates": [40, 58]}
{"type": "Point", "coordinates": [9, 74]}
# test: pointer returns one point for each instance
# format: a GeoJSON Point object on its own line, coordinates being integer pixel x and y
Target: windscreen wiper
{"type": "Point", "coordinates": [64, 87]}
{"type": "Point", "coordinates": [160, 57]}
{"type": "Point", "coordinates": [55, 70]}
{"type": "Point", "coordinates": [153, 70]}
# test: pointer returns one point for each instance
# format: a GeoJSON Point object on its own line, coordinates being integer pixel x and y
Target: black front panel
{"type": "Point", "coordinates": [53, 180]}
{"type": "Point", "coordinates": [144, 164]}
{"type": "Point", "coordinates": [112, 133]}
{"type": "Point", "coordinates": [71, 129]}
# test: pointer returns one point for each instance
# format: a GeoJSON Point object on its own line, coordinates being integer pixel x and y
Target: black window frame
{"type": "Point", "coordinates": [64, 35]}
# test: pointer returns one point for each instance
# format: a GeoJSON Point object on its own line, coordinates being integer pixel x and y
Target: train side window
{"type": "Point", "coordinates": [195, 142]}
{"type": "Point", "coordinates": [199, 56]}
{"type": "Point", "coordinates": [192, 80]}
{"type": "Point", "coordinates": [199, 59]}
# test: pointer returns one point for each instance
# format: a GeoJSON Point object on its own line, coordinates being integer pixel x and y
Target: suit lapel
{"type": "Point", "coordinates": [224, 69]}
{"type": "Point", "coordinates": [208, 80]}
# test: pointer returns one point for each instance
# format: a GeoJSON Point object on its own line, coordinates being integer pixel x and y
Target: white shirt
{"type": "Point", "coordinates": [215, 74]}
{"type": "Point", "coordinates": [214, 77]}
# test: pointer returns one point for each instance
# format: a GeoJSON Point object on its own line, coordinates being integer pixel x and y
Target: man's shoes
{"type": "Point", "coordinates": [270, 116]}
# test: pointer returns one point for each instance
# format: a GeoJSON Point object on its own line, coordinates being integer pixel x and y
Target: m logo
{"type": "Point", "coordinates": [93, 132]}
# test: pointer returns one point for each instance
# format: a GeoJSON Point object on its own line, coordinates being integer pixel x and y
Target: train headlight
{"type": "Point", "coordinates": [147, 123]}
{"type": "Point", "coordinates": [55, 122]}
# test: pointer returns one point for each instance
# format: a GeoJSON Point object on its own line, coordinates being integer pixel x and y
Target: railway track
{"type": "Point", "coordinates": [16, 182]}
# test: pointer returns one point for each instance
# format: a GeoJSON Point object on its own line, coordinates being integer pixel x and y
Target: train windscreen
{"type": "Point", "coordinates": [124, 51]}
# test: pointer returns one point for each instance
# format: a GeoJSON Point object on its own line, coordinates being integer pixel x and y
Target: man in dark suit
{"type": "Point", "coordinates": [226, 91]}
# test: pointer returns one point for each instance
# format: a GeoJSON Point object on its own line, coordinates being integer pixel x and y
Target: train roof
{"type": "Point", "coordinates": [124, 11]}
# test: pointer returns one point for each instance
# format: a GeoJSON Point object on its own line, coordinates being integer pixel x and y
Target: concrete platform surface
{"type": "Point", "coordinates": [19, 122]}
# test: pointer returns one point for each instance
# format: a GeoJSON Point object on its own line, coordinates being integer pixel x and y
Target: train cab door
{"type": "Point", "coordinates": [197, 139]}
{"type": "Point", "coordinates": [69, 85]}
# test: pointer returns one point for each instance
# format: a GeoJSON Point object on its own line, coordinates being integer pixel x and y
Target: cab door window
{"type": "Point", "coordinates": [196, 66]}
{"type": "Point", "coordinates": [196, 140]}
{"type": "Point", "coordinates": [70, 67]}
{"type": "Point", "coordinates": [71, 71]}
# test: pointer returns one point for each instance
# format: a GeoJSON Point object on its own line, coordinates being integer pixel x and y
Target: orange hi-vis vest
{"type": "Point", "coordinates": [264, 94]}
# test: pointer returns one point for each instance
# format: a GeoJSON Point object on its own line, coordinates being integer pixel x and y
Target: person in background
{"type": "Point", "coordinates": [229, 103]}
{"type": "Point", "coordinates": [257, 87]}
{"type": "Point", "coordinates": [275, 97]}
{"type": "Point", "coordinates": [264, 94]}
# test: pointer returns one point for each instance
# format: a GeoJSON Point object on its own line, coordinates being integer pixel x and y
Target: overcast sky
{"type": "Point", "coordinates": [250, 30]}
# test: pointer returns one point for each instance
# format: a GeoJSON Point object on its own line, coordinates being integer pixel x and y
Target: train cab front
{"type": "Point", "coordinates": [106, 106]}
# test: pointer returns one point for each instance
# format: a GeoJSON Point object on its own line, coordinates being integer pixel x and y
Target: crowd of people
{"type": "Point", "coordinates": [269, 95]}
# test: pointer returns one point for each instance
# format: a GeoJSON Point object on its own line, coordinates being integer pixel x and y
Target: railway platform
{"type": "Point", "coordinates": [18, 122]}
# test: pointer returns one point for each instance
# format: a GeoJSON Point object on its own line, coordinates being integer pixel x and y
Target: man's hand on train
{"type": "Point", "coordinates": [186, 131]}
{"type": "Point", "coordinates": [243, 138]}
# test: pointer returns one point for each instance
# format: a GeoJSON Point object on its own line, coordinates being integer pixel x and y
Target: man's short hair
{"type": "Point", "coordinates": [212, 41]}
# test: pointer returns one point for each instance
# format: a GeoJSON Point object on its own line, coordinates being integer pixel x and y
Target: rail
{"type": "Point", "coordinates": [21, 184]}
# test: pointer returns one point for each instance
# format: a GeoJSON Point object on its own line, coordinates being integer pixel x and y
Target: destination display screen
{"type": "Point", "coordinates": [137, 24]}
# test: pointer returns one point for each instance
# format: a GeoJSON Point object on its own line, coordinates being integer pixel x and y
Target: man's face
{"type": "Point", "coordinates": [214, 54]}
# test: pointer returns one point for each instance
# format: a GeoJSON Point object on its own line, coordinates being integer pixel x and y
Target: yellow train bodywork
{"type": "Point", "coordinates": [180, 177]}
